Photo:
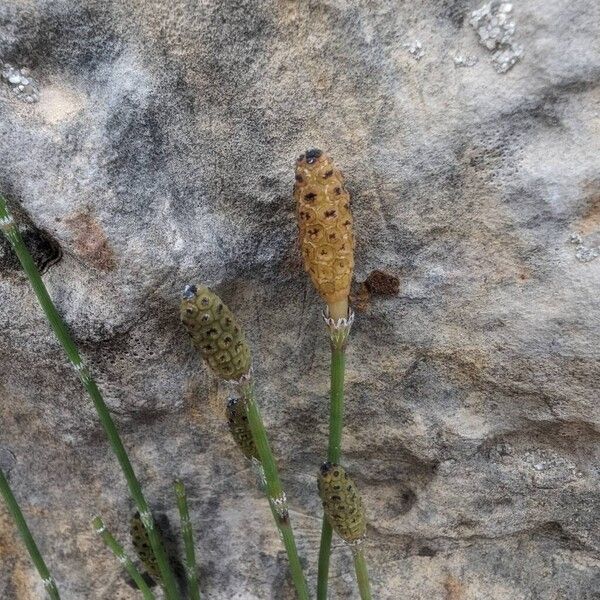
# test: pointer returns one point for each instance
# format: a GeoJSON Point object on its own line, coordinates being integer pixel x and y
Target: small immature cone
{"type": "Point", "coordinates": [325, 222]}
{"type": "Point", "coordinates": [342, 503]}
{"type": "Point", "coordinates": [240, 429]}
{"type": "Point", "coordinates": [141, 544]}
{"type": "Point", "coordinates": [215, 333]}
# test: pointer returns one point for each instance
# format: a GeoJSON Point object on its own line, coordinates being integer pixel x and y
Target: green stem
{"type": "Point", "coordinates": [34, 553]}
{"type": "Point", "coordinates": [275, 493]}
{"type": "Point", "coordinates": [362, 575]}
{"type": "Point", "coordinates": [122, 557]}
{"type": "Point", "coordinates": [336, 424]}
{"type": "Point", "coordinates": [191, 571]}
{"type": "Point", "coordinates": [11, 231]}
{"type": "Point", "coordinates": [336, 409]}
{"type": "Point", "coordinates": [324, 553]}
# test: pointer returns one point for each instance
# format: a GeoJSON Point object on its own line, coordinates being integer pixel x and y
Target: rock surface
{"type": "Point", "coordinates": [160, 151]}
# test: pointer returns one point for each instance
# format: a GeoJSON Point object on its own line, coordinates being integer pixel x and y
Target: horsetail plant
{"type": "Point", "coordinates": [191, 571]}
{"type": "Point", "coordinates": [36, 558]}
{"type": "Point", "coordinates": [327, 246]}
{"type": "Point", "coordinates": [122, 557]}
{"type": "Point", "coordinates": [220, 340]}
{"type": "Point", "coordinates": [11, 231]}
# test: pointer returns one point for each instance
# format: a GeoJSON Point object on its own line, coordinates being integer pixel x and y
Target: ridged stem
{"type": "Point", "coordinates": [61, 332]}
{"type": "Point", "coordinates": [336, 408]}
{"type": "Point", "coordinates": [122, 557]}
{"type": "Point", "coordinates": [362, 575]}
{"type": "Point", "coordinates": [191, 571]}
{"type": "Point", "coordinates": [34, 553]}
{"type": "Point", "coordinates": [274, 490]}
{"type": "Point", "coordinates": [324, 554]}
{"type": "Point", "coordinates": [336, 424]}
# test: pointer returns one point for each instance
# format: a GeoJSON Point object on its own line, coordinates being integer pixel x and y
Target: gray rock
{"type": "Point", "coordinates": [160, 152]}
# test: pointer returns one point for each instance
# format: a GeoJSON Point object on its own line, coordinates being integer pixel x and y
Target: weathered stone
{"type": "Point", "coordinates": [161, 151]}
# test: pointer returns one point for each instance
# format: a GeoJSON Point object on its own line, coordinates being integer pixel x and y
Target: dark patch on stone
{"type": "Point", "coordinates": [75, 38]}
{"type": "Point", "coordinates": [426, 551]}
{"type": "Point", "coordinates": [90, 241]}
{"type": "Point", "coordinates": [138, 142]}
{"type": "Point", "coordinates": [454, 11]}
{"type": "Point", "coordinates": [44, 249]}
{"type": "Point", "coordinates": [408, 499]}
{"type": "Point", "coordinates": [269, 183]}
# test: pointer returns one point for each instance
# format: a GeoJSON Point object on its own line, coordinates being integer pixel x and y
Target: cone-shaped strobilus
{"type": "Point", "coordinates": [215, 333]}
{"type": "Point", "coordinates": [220, 340]}
{"type": "Point", "coordinates": [327, 243]}
{"type": "Point", "coordinates": [143, 549]}
{"type": "Point", "coordinates": [325, 224]}
{"type": "Point", "coordinates": [343, 508]}
{"type": "Point", "coordinates": [342, 503]}
{"type": "Point", "coordinates": [239, 428]}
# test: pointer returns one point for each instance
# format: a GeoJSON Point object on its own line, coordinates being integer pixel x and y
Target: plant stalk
{"type": "Point", "coordinates": [122, 557]}
{"type": "Point", "coordinates": [336, 423]}
{"type": "Point", "coordinates": [191, 571]}
{"type": "Point", "coordinates": [11, 231]}
{"type": "Point", "coordinates": [324, 554]}
{"type": "Point", "coordinates": [34, 553]}
{"type": "Point", "coordinates": [362, 575]}
{"type": "Point", "coordinates": [336, 408]}
{"type": "Point", "coordinates": [274, 490]}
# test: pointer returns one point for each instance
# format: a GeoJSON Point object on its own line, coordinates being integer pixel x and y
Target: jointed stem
{"type": "Point", "coordinates": [275, 493]}
{"type": "Point", "coordinates": [336, 409]}
{"type": "Point", "coordinates": [122, 557]}
{"type": "Point", "coordinates": [324, 554]}
{"type": "Point", "coordinates": [9, 228]}
{"type": "Point", "coordinates": [191, 571]}
{"type": "Point", "coordinates": [336, 423]}
{"type": "Point", "coordinates": [34, 553]}
{"type": "Point", "coordinates": [362, 575]}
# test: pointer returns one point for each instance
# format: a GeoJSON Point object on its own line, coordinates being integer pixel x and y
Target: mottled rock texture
{"type": "Point", "coordinates": [161, 152]}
